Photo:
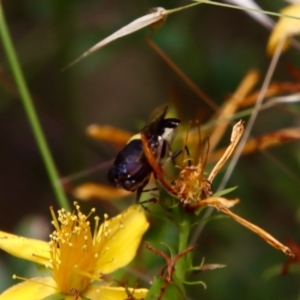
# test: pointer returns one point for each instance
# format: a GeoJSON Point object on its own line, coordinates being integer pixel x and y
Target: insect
{"type": "Point", "coordinates": [131, 169]}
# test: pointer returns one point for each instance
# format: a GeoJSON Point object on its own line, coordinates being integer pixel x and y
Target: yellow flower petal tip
{"type": "Point", "coordinates": [285, 28]}
{"type": "Point", "coordinates": [125, 232]}
{"type": "Point", "coordinates": [108, 133]}
{"type": "Point", "coordinates": [25, 248]}
{"type": "Point", "coordinates": [35, 288]}
{"type": "Point", "coordinates": [88, 191]}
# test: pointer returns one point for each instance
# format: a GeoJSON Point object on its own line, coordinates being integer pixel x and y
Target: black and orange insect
{"type": "Point", "coordinates": [131, 169]}
{"type": "Point", "coordinates": [191, 186]}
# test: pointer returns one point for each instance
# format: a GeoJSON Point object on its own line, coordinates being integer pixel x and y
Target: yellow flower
{"type": "Point", "coordinates": [76, 257]}
{"type": "Point", "coordinates": [285, 28]}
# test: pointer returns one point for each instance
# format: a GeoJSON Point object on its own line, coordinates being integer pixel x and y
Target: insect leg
{"type": "Point", "coordinates": [174, 155]}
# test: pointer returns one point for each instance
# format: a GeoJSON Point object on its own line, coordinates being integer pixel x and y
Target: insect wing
{"type": "Point", "coordinates": [160, 132]}
{"type": "Point", "coordinates": [154, 123]}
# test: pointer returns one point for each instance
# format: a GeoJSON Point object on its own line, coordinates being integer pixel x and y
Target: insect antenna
{"type": "Point", "coordinates": [86, 172]}
{"type": "Point", "coordinates": [205, 159]}
{"type": "Point", "coordinates": [199, 152]}
{"type": "Point", "coordinates": [185, 148]}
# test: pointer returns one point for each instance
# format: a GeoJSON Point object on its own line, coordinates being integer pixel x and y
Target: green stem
{"type": "Point", "coordinates": [174, 10]}
{"type": "Point", "coordinates": [185, 262]}
{"type": "Point", "coordinates": [265, 12]}
{"type": "Point", "coordinates": [31, 113]}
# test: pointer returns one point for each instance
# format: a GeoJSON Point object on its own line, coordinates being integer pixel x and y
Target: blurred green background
{"type": "Point", "coordinates": [120, 85]}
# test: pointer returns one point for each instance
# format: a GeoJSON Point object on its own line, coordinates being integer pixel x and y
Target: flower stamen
{"type": "Point", "coordinates": [32, 280]}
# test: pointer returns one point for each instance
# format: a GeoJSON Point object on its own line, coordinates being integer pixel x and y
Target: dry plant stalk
{"type": "Point", "coordinates": [263, 142]}
{"type": "Point", "coordinates": [169, 269]}
{"type": "Point", "coordinates": [274, 89]}
{"type": "Point", "coordinates": [231, 106]}
{"type": "Point", "coordinates": [181, 75]}
{"type": "Point", "coordinates": [237, 132]}
{"type": "Point", "coordinates": [223, 204]}
{"type": "Point", "coordinates": [291, 260]}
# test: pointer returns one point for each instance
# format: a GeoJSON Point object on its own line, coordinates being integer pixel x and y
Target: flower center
{"type": "Point", "coordinates": [73, 251]}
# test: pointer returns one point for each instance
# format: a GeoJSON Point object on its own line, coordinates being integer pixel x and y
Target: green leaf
{"type": "Point", "coordinates": [195, 283]}
{"type": "Point", "coordinates": [209, 267]}
{"type": "Point", "coordinates": [198, 268]}
{"type": "Point", "coordinates": [171, 250]}
{"type": "Point", "coordinates": [224, 192]}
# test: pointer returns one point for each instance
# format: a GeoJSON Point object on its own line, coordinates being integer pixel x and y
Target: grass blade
{"type": "Point", "coordinates": [30, 111]}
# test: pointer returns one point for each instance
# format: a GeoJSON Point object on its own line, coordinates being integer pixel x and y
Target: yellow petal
{"type": "Point", "coordinates": [109, 134]}
{"type": "Point", "coordinates": [35, 289]}
{"type": "Point", "coordinates": [284, 28]}
{"type": "Point", "coordinates": [121, 239]}
{"type": "Point", "coordinates": [88, 191]}
{"type": "Point", "coordinates": [113, 293]}
{"type": "Point", "coordinates": [29, 249]}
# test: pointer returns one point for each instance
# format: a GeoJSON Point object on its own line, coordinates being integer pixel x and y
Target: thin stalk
{"type": "Point", "coordinates": [254, 114]}
{"type": "Point", "coordinates": [266, 12]}
{"type": "Point", "coordinates": [31, 113]}
{"type": "Point", "coordinates": [175, 10]}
